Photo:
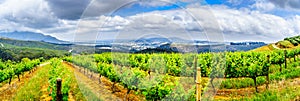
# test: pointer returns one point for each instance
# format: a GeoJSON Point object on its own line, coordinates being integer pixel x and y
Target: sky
{"type": "Point", "coordinates": [213, 20]}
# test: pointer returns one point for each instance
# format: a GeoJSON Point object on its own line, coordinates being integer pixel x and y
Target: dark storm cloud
{"type": "Point", "coordinates": [74, 9]}
{"type": "Point", "coordinates": [295, 4]}
{"type": "Point", "coordinates": [33, 22]}
{"type": "Point", "coordinates": [27, 13]}
{"type": "Point", "coordinates": [68, 9]}
{"type": "Point", "coordinates": [106, 7]}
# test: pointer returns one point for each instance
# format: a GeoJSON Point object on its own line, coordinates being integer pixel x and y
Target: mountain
{"type": "Point", "coordinates": [4, 42]}
{"type": "Point", "coordinates": [31, 36]}
{"type": "Point", "coordinates": [173, 44]}
{"type": "Point", "coordinates": [151, 40]}
{"type": "Point", "coordinates": [15, 50]}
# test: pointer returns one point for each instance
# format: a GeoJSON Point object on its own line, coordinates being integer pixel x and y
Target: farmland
{"type": "Point", "coordinates": [249, 75]}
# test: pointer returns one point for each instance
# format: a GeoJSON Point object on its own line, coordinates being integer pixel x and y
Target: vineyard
{"type": "Point", "coordinates": [160, 76]}
{"type": "Point", "coordinates": [9, 69]}
{"type": "Point", "coordinates": [150, 50]}
{"type": "Point", "coordinates": [154, 76]}
{"type": "Point", "coordinates": [294, 40]}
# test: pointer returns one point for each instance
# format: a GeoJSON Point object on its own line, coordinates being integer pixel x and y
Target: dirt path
{"type": "Point", "coordinates": [8, 91]}
{"type": "Point", "coordinates": [91, 87]}
{"type": "Point", "coordinates": [103, 89]}
{"type": "Point", "coordinates": [274, 46]}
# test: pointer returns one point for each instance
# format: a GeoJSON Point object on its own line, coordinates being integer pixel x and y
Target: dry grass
{"type": "Point", "coordinates": [101, 90]}
{"type": "Point", "coordinates": [280, 45]}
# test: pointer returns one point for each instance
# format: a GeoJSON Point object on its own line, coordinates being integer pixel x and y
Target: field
{"type": "Point", "coordinates": [252, 75]}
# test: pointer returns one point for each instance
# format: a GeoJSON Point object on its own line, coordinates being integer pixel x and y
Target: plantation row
{"type": "Point", "coordinates": [10, 69]}
{"type": "Point", "coordinates": [58, 71]}
{"type": "Point", "coordinates": [116, 66]}
{"type": "Point", "coordinates": [154, 87]}
{"type": "Point", "coordinates": [238, 64]}
{"type": "Point", "coordinates": [294, 40]}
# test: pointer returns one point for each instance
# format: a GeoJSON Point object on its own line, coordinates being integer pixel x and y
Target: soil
{"type": "Point", "coordinates": [102, 89]}
{"type": "Point", "coordinates": [9, 90]}
{"type": "Point", "coordinates": [246, 92]}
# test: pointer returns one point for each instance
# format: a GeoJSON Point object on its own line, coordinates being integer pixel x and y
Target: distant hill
{"type": "Point", "coordinates": [15, 50]}
{"type": "Point", "coordinates": [287, 43]}
{"type": "Point", "coordinates": [4, 42]}
{"type": "Point", "coordinates": [174, 44]}
{"type": "Point", "coordinates": [16, 53]}
{"type": "Point", "coordinates": [31, 36]}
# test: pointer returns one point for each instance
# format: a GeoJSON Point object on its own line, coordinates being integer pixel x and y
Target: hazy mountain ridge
{"type": "Point", "coordinates": [158, 44]}
{"type": "Point", "coordinates": [4, 42]}
{"type": "Point", "coordinates": [31, 36]}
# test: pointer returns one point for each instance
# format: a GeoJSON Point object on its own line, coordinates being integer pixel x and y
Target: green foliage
{"type": "Point", "coordinates": [86, 61]}
{"type": "Point", "coordinates": [294, 40]}
{"type": "Point", "coordinates": [161, 90]}
{"type": "Point", "coordinates": [18, 53]}
{"type": "Point", "coordinates": [31, 90]}
{"type": "Point", "coordinates": [58, 71]}
{"type": "Point", "coordinates": [130, 70]}
{"type": "Point", "coordinates": [131, 78]}
{"type": "Point", "coordinates": [139, 60]}
{"type": "Point", "coordinates": [10, 69]}
{"type": "Point", "coordinates": [103, 58]}
{"type": "Point", "coordinates": [174, 64]}
{"type": "Point", "coordinates": [31, 44]}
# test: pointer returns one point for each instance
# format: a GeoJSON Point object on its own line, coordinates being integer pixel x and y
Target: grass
{"type": "Point", "coordinates": [36, 87]}
{"type": "Point", "coordinates": [32, 89]}
{"type": "Point", "coordinates": [75, 90]}
{"type": "Point", "coordinates": [264, 48]}
{"type": "Point", "coordinates": [289, 73]}
{"type": "Point", "coordinates": [90, 96]}
{"type": "Point", "coordinates": [283, 88]}
{"type": "Point", "coordinates": [80, 89]}
{"type": "Point", "coordinates": [286, 94]}
{"type": "Point", "coordinates": [281, 44]}
{"type": "Point", "coordinates": [285, 44]}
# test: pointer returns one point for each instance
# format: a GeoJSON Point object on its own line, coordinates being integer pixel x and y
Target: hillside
{"type": "Point", "coordinates": [15, 50]}
{"type": "Point", "coordinates": [31, 36]}
{"type": "Point", "coordinates": [32, 44]}
{"type": "Point", "coordinates": [16, 53]}
{"type": "Point", "coordinates": [287, 43]}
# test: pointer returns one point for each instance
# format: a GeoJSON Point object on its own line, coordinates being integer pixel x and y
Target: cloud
{"type": "Point", "coordinates": [27, 13]}
{"type": "Point", "coordinates": [263, 5]}
{"type": "Point", "coordinates": [72, 10]}
{"type": "Point", "coordinates": [235, 2]}
{"type": "Point", "coordinates": [89, 28]}
{"type": "Point", "coordinates": [288, 4]}
{"type": "Point", "coordinates": [214, 23]}
{"type": "Point", "coordinates": [236, 24]}
{"type": "Point", "coordinates": [68, 9]}
{"type": "Point", "coordinates": [254, 25]}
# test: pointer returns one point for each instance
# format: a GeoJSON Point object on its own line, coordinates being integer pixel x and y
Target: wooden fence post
{"type": "Point", "coordinates": [197, 78]}
{"type": "Point", "coordinates": [198, 82]}
{"type": "Point", "coordinates": [58, 89]}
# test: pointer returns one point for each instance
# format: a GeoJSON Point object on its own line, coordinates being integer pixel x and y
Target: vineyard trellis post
{"type": "Point", "coordinates": [198, 80]}
{"type": "Point", "coordinates": [267, 76]}
{"type": "Point", "coordinates": [58, 89]}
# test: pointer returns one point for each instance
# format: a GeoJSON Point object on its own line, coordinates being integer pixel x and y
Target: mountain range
{"type": "Point", "coordinates": [31, 36]}
{"type": "Point", "coordinates": [134, 45]}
